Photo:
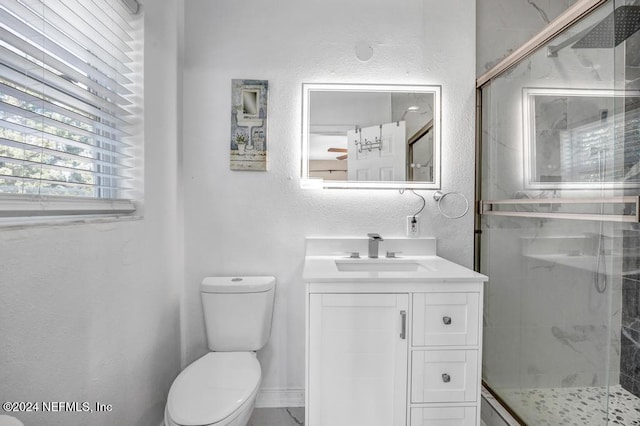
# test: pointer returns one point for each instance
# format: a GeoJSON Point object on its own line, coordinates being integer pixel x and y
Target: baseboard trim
{"type": "Point", "coordinates": [280, 397]}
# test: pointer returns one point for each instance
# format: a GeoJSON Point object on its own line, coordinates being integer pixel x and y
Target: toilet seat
{"type": "Point", "coordinates": [213, 388]}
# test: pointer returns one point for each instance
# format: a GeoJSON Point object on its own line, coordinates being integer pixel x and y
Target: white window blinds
{"type": "Point", "coordinates": [68, 89]}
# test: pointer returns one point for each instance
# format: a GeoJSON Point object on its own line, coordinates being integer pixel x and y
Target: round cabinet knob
{"type": "Point", "coordinates": [446, 320]}
{"type": "Point", "coordinates": [446, 378]}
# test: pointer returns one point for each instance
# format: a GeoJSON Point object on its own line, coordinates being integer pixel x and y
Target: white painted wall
{"type": "Point", "coordinates": [91, 312]}
{"type": "Point", "coordinates": [254, 222]}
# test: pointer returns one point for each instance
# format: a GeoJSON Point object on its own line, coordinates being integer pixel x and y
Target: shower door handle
{"type": "Point", "coordinates": [403, 321]}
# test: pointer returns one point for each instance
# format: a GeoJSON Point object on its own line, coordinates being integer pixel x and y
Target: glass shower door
{"type": "Point", "coordinates": [560, 175]}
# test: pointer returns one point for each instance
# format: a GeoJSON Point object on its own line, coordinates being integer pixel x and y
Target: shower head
{"type": "Point", "coordinates": [618, 26]}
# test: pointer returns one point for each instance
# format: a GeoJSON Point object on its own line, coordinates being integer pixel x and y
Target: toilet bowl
{"type": "Point", "coordinates": [220, 388]}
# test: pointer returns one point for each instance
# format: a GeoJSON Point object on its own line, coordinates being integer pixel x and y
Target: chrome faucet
{"type": "Point", "coordinates": [374, 241]}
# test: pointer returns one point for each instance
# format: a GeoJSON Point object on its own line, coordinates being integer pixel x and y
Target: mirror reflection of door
{"type": "Point", "coordinates": [384, 159]}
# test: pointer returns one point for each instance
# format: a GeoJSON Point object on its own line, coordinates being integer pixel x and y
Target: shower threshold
{"type": "Point", "coordinates": [586, 406]}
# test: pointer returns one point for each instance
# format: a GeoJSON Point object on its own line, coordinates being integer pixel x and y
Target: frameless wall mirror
{"type": "Point", "coordinates": [371, 136]}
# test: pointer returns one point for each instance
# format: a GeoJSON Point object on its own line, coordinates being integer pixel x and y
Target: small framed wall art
{"type": "Point", "coordinates": [249, 124]}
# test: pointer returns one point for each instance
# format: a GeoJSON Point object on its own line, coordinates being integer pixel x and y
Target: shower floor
{"type": "Point", "coordinates": [576, 406]}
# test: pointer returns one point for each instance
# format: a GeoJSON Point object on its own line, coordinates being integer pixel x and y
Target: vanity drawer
{"type": "Point", "coordinates": [444, 376]}
{"type": "Point", "coordinates": [445, 319]}
{"type": "Point", "coordinates": [443, 416]}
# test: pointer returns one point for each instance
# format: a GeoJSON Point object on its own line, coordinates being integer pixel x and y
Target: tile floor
{"type": "Point", "coordinates": [577, 406]}
{"type": "Point", "coordinates": [282, 417]}
{"type": "Point", "coordinates": [291, 416]}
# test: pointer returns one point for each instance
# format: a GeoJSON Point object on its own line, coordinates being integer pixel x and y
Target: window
{"type": "Point", "coordinates": [69, 86]}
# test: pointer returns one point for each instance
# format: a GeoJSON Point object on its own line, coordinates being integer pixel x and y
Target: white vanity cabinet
{"type": "Point", "coordinates": [391, 342]}
{"type": "Point", "coordinates": [410, 358]}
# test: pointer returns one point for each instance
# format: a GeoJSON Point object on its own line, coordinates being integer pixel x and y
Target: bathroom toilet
{"type": "Point", "coordinates": [220, 388]}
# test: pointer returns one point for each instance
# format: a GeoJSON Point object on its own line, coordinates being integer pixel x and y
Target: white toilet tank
{"type": "Point", "coordinates": [237, 312]}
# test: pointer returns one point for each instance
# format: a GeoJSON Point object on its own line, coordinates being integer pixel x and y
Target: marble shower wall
{"type": "Point", "coordinates": [546, 325]}
{"type": "Point", "coordinates": [503, 25]}
{"type": "Point", "coordinates": [630, 331]}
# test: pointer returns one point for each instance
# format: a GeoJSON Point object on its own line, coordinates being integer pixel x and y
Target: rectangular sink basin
{"type": "Point", "coordinates": [381, 265]}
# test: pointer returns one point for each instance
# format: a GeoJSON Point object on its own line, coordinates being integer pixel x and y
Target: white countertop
{"type": "Point", "coordinates": [322, 269]}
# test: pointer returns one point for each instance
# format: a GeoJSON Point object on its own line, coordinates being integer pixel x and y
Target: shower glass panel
{"type": "Point", "coordinates": [562, 322]}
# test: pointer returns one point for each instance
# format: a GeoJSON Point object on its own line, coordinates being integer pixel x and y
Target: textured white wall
{"type": "Point", "coordinates": [255, 223]}
{"type": "Point", "coordinates": [91, 312]}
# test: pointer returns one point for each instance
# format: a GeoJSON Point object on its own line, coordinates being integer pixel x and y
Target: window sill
{"type": "Point", "coordinates": [23, 222]}
{"type": "Point", "coordinates": [22, 211]}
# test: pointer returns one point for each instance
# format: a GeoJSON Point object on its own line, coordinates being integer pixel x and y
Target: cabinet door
{"type": "Point", "coordinates": [357, 359]}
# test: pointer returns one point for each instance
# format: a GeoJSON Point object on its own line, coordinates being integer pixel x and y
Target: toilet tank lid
{"type": "Point", "coordinates": [237, 284]}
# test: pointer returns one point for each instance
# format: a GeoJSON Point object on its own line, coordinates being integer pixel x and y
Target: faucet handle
{"type": "Point", "coordinates": [353, 254]}
{"type": "Point", "coordinates": [375, 236]}
{"type": "Point", "coordinates": [392, 254]}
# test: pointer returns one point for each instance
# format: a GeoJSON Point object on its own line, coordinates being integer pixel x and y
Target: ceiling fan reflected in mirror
{"type": "Point", "coordinates": [339, 157]}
